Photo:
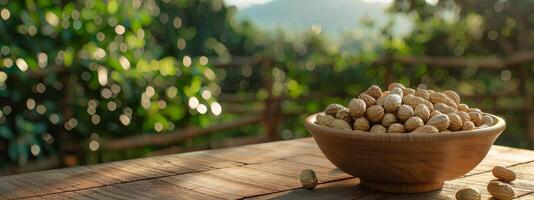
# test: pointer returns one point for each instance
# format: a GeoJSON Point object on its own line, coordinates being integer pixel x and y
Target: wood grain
{"type": "Point", "coordinates": [263, 171]}
{"type": "Point", "coordinates": [61, 180]}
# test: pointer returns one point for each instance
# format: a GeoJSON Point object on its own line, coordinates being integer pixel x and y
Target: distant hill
{"type": "Point", "coordinates": [334, 16]}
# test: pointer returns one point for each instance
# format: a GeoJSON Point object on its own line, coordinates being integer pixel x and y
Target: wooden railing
{"type": "Point", "coordinates": [270, 113]}
{"type": "Point", "coordinates": [511, 61]}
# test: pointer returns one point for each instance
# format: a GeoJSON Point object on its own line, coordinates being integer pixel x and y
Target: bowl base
{"type": "Point", "coordinates": [401, 188]}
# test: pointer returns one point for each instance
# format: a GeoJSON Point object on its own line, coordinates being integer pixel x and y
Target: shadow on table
{"type": "Point", "coordinates": [350, 189]}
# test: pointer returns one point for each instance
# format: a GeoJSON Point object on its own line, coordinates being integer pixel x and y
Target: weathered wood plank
{"type": "Point", "coordinates": [524, 187]}
{"type": "Point", "coordinates": [293, 170]}
{"type": "Point", "coordinates": [247, 155]}
{"type": "Point", "coordinates": [149, 189]}
{"type": "Point", "coordinates": [231, 183]}
{"type": "Point", "coordinates": [259, 153]}
{"type": "Point", "coordinates": [257, 178]}
{"type": "Point", "coordinates": [207, 184]}
{"type": "Point", "coordinates": [305, 146]}
{"type": "Point", "coordinates": [239, 182]}
{"type": "Point", "coordinates": [346, 189]}
{"type": "Point", "coordinates": [527, 197]}
{"type": "Point", "coordinates": [312, 161]}
{"type": "Point", "coordinates": [268, 170]}
{"type": "Point", "coordinates": [511, 154]}
{"type": "Point", "coordinates": [63, 180]}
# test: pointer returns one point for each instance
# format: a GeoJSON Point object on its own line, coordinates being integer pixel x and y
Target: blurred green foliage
{"type": "Point", "coordinates": [77, 71]}
{"type": "Point", "coordinates": [74, 73]}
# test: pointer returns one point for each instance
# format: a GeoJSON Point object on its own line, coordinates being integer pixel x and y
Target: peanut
{"type": "Point", "coordinates": [440, 121]}
{"type": "Point", "coordinates": [422, 112]}
{"type": "Point", "coordinates": [392, 103]}
{"type": "Point", "coordinates": [377, 128]}
{"type": "Point", "coordinates": [453, 96]}
{"type": "Point", "coordinates": [501, 190]}
{"type": "Point", "coordinates": [476, 118]}
{"type": "Point", "coordinates": [357, 107]}
{"type": "Point", "coordinates": [397, 91]}
{"type": "Point", "coordinates": [332, 109]}
{"type": "Point", "coordinates": [374, 91]}
{"type": "Point", "coordinates": [435, 112]}
{"type": "Point", "coordinates": [369, 100]}
{"type": "Point", "coordinates": [413, 123]}
{"type": "Point", "coordinates": [361, 124]}
{"type": "Point", "coordinates": [344, 115]}
{"type": "Point", "coordinates": [408, 91]}
{"type": "Point", "coordinates": [426, 129]}
{"type": "Point", "coordinates": [439, 97]}
{"type": "Point", "coordinates": [468, 125]}
{"type": "Point", "coordinates": [405, 112]}
{"type": "Point", "coordinates": [375, 113]}
{"type": "Point", "coordinates": [308, 179]}
{"type": "Point", "coordinates": [324, 120]}
{"type": "Point", "coordinates": [503, 174]}
{"type": "Point", "coordinates": [455, 122]}
{"type": "Point", "coordinates": [463, 107]}
{"type": "Point", "coordinates": [380, 100]}
{"type": "Point", "coordinates": [444, 108]}
{"type": "Point", "coordinates": [396, 128]}
{"type": "Point", "coordinates": [341, 124]}
{"type": "Point", "coordinates": [388, 119]}
{"type": "Point", "coordinates": [468, 194]}
{"type": "Point", "coordinates": [413, 101]}
{"type": "Point", "coordinates": [465, 117]}
{"type": "Point", "coordinates": [422, 93]}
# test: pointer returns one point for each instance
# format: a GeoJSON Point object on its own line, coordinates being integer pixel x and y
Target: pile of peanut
{"type": "Point", "coordinates": [404, 110]}
{"type": "Point", "coordinates": [501, 189]}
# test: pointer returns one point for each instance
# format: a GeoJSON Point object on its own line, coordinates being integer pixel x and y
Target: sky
{"type": "Point", "coordinates": [240, 4]}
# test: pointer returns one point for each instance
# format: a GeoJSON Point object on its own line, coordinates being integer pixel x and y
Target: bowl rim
{"type": "Point", "coordinates": [316, 129]}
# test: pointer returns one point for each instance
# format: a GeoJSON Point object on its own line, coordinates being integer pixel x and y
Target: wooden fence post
{"type": "Point", "coordinates": [528, 98]}
{"type": "Point", "coordinates": [271, 112]}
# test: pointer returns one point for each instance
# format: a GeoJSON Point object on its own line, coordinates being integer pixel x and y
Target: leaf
{"type": "Point", "coordinates": [166, 66]}
{"type": "Point", "coordinates": [175, 112]}
{"type": "Point", "coordinates": [68, 57]}
{"type": "Point", "coordinates": [153, 119]}
{"type": "Point", "coordinates": [192, 89]}
{"type": "Point", "coordinates": [113, 6]}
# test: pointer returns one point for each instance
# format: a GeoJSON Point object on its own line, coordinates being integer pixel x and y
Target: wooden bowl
{"type": "Point", "coordinates": [403, 162]}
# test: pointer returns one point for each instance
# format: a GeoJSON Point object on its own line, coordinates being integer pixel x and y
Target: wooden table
{"type": "Point", "coordinates": [261, 171]}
